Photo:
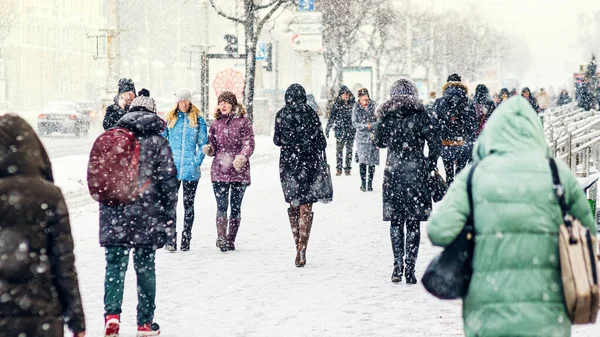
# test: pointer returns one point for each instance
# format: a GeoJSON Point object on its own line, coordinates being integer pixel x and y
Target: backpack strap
{"type": "Point", "coordinates": [470, 224]}
{"type": "Point", "coordinates": [559, 190]}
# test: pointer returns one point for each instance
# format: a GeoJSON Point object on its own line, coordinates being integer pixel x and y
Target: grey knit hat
{"type": "Point", "coordinates": [403, 86]}
{"type": "Point", "coordinates": [183, 95]}
{"type": "Point", "coordinates": [143, 103]}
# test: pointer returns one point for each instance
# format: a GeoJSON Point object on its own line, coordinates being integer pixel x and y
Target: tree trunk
{"type": "Point", "coordinates": [329, 81]}
{"type": "Point", "coordinates": [251, 41]}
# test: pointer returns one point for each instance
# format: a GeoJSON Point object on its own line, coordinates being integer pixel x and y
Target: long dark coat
{"type": "Point", "coordinates": [38, 280]}
{"type": "Point", "coordinates": [366, 149]}
{"type": "Point", "coordinates": [404, 129]}
{"type": "Point", "coordinates": [148, 221]}
{"type": "Point", "coordinates": [113, 114]}
{"type": "Point", "coordinates": [341, 117]}
{"type": "Point", "coordinates": [299, 133]}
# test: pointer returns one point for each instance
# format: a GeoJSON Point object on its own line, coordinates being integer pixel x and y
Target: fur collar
{"type": "Point", "coordinates": [401, 105]}
{"type": "Point", "coordinates": [455, 85]}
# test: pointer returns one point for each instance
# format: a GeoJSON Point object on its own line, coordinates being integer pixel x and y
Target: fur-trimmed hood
{"type": "Point", "coordinates": [401, 105]}
{"type": "Point", "coordinates": [450, 87]}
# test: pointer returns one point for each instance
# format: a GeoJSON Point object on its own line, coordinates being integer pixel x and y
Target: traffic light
{"type": "Point", "coordinates": [269, 59]}
{"type": "Point", "coordinates": [232, 44]}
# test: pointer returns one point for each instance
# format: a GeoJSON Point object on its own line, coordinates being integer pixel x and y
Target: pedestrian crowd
{"type": "Point", "coordinates": [139, 164]}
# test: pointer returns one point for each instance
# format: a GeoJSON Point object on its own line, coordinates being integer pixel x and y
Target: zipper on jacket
{"type": "Point", "coordinates": [182, 148]}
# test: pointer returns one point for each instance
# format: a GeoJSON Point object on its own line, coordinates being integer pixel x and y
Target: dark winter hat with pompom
{"type": "Point", "coordinates": [403, 86]}
{"type": "Point", "coordinates": [126, 85]}
{"type": "Point", "coordinates": [144, 92]}
{"type": "Point", "coordinates": [229, 97]}
{"type": "Point", "coordinates": [454, 78]}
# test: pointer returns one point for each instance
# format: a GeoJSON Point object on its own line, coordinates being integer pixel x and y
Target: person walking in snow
{"type": "Point", "coordinates": [341, 121]}
{"type": "Point", "coordinates": [526, 93]}
{"type": "Point", "coordinates": [543, 100]}
{"type": "Point", "coordinates": [299, 134]}
{"type": "Point", "coordinates": [38, 278]}
{"type": "Point", "coordinates": [186, 132]}
{"type": "Point", "coordinates": [564, 98]}
{"type": "Point", "coordinates": [458, 126]}
{"type": "Point", "coordinates": [142, 226]}
{"type": "Point", "coordinates": [231, 143]}
{"type": "Point", "coordinates": [364, 121]}
{"type": "Point", "coordinates": [516, 286]}
{"type": "Point", "coordinates": [504, 95]}
{"type": "Point", "coordinates": [483, 107]}
{"type": "Point", "coordinates": [404, 128]}
{"type": "Point", "coordinates": [122, 102]}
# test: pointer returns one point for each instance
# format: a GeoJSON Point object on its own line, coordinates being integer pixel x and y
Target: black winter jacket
{"type": "Point", "coordinates": [299, 133]}
{"type": "Point", "coordinates": [38, 280]}
{"type": "Point", "coordinates": [341, 118]}
{"type": "Point", "coordinates": [112, 115]}
{"type": "Point", "coordinates": [148, 222]}
{"type": "Point", "coordinates": [455, 114]}
{"type": "Point", "coordinates": [404, 129]}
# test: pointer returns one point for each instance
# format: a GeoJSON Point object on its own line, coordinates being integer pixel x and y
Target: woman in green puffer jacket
{"type": "Point", "coordinates": [516, 289]}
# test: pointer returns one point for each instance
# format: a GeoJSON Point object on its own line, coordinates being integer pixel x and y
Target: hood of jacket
{"type": "Point", "coordinates": [513, 127]}
{"type": "Point", "coordinates": [295, 95]}
{"type": "Point", "coordinates": [339, 100]}
{"type": "Point", "coordinates": [482, 94]}
{"type": "Point", "coordinates": [142, 123]}
{"type": "Point", "coordinates": [455, 88]}
{"type": "Point", "coordinates": [401, 105]}
{"type": "Point", "coordinates": [21, 151]}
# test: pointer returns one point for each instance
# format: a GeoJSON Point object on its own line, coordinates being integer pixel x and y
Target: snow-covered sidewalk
{"type": "Point", "coordinates": [344, 290]}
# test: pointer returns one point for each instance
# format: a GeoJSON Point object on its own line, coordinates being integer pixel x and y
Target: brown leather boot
{"type": "Point", "coordinates": [234, 226]}
{"type": "Point", "coordinates": [306, 220]}
{"type": "Point", "coordinates": [294, 216]}
{"type": "Point", "coordinates": [222, 233]}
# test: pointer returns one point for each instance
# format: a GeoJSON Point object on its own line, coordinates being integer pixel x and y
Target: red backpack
{"type": "Point", "coordinates": [113, 167]}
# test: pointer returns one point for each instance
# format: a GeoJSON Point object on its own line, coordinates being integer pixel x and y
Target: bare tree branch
{"type": "Point", "coordinates": [225, 15]}
{"type": "Point", "coordinates": [257, 6]}
{"type": "Point", "coordinates": [262, 22]}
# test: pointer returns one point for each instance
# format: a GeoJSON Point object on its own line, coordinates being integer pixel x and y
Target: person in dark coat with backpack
{"type": "Point", "coordinates": [526, 93]}
{"type": "Point", "coordinates": [458, 126]}
{"type": "Point", "coordinates": [38, 279]}
{"type": "Point", "coordinates": [186, 131]}
{"type": "Point", "coordinates": [364, 121]}
{"type": "Point", "coordinates": [122, 102]}
{"type": "Point", "coordinates": [231, 143]}
{"type": "Point", "coordinates": [143, 226]}
{"type": "Point", "coordinates": [483, 106]}
{"type": "Point", "coordinates": [299, 134]}
{"type": "Point", "coordinates": [404, 129]}
{"type": "Point", "coordinates": [341, 121]}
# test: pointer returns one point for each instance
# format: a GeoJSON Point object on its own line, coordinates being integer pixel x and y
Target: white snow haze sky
{"type": "Point", "coordinates": [550, 27]}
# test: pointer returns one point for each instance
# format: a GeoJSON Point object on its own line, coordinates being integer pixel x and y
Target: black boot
{"type": "Point", "coordinates": [363, 177]}
{"type": "Point", "coordinates": [338, 172]}
{"type": "Point", "coordinates": [186, 238]}
{"type": "Point", "coordinates": [370, 178]}
{"type": "Point", "coordinates": [172, 246]}
{"type": "Point", "coordinates": [397, 237]}
{"type": "Point", "coordinates": [413, 241]}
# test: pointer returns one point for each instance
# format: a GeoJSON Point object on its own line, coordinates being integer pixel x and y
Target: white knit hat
{"type": "Point", "coordinates": [182, 95]}
{"type": "Point", "coordinates": [147, 103]}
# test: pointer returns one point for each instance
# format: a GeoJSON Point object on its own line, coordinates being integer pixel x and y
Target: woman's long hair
{"type": "Point", "coordinates": [193, 115]}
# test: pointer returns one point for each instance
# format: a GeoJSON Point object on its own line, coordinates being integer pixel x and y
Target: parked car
{"type": "Point", "coordinates": [5, 108]}
{"type": "Point", "coordinates": [63, 117]}
{"type": "Point", "coordinates": [89, 108]}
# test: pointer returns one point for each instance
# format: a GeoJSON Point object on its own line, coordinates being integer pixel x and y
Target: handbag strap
{"type": "Point", "coordinates": [559, 191]}
{"type": "Point", "coordinates": [470, 224]}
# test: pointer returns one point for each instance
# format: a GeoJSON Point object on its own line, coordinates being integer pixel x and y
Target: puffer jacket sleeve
{"type": "Point", "coordinates": [382, 132]}
{"type": "Point", "coordinates": [434, 141]}
{"type": "Point", "coordinates": [110, 117]}
{"type": "Point", "coordinates": [62, 260]}
{"type": "Point", "coordinates": [247, 133]}
{"type": "Point", "coordinates": [321, 142]}
{"type": "Point", "coordinates": [447, 221]}
{"type": "Point", "coordinates": [332, 118]}
{"type": "Point", "coordinates": [575, 198]}
{"type": "Point", "coordinates": [165, 178]}
{"type": "Point", "coordinates": [201, 141]}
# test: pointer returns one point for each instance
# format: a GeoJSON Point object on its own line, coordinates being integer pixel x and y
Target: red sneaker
{"type": "Point", "coordinates": [111, 325]}
{"type": "Point", "coordinates": [145, 330]}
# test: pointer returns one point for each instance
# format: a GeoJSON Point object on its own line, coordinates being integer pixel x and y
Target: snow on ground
{"type": "Point", "coordinates": [344, 290]}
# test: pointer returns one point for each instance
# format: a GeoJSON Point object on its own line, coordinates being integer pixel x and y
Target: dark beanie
{"type": "Point", "coordinates": [229, 97]}
{"type": "Point", "coordinates": [363, 92]}
{"type": "Point", "coordinates": [454, 78]}
{"type": "Point", "coordinates": [126, 85]}
{"type": "Point", "coordinates": [144, 92]}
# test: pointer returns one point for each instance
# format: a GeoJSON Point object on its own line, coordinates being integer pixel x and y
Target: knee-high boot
{"type": "Point", "coordinates": [234, 226]}
{"type": "Point", "coordinates": [222, 233]}
{"type": "Point", "coordinates": [370, 179]}
{"type": "Point", "coordinates": [363, 177]}
{"type": "Point", "coordinates": [397, 238]}
{"type": "Point", "coordinates": [294, 217]}
{"type": "Point", "coordinates": [306, 221]}
{"type": "Point", "coordinates": [413, 241]}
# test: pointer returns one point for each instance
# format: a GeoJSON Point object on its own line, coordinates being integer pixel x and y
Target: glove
{"type": "Point", "coordinates": [239, 162]}
{"type": "Point", "coordinates": [208, 150]}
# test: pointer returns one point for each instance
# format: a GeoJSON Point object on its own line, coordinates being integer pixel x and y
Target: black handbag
{"type": "Point", "coordinates": [449, 274]}
{"type": "Point", "coordinates": [438, 186]}
{"type": "Point", "coordinates": [323, 186]}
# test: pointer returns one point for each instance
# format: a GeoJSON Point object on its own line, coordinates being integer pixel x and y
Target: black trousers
{"type": "Point", "coordinates": [229, 195]}
{"type": "Point", "coordinates": [363, 173]}
{"type": "Point", "coordinates": [342, 143]}
{"type": "Point", "coordinates": [189, 195]}
{"type": "Point", "coordinates": [412, 240]}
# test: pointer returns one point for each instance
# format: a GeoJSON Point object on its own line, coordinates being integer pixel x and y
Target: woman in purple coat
{"type": "Point", "coordinates": [231, 142]}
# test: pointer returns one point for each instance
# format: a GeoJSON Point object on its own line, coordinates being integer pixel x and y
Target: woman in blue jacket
{"type": "Point", "coordinates": [186, 132]}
